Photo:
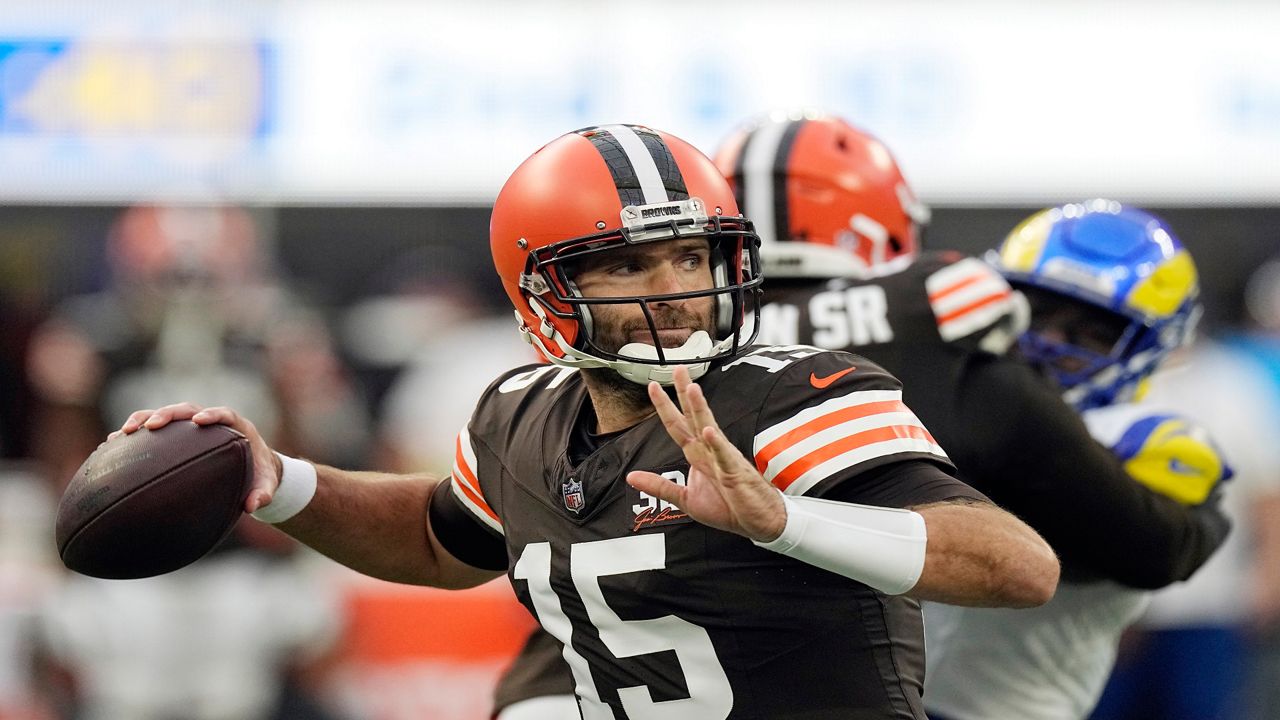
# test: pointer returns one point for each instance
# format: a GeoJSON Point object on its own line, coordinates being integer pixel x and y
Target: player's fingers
{"type": "Point", "coordinates": [167, 414]}
{"type": "Point", "coordinates": [672, 419]}
{"type": "Point", "coordinates": [657, 486]}
{"type": "Point", "coordinates": [728, 459]}
{"type": "Point", "coordinates": [132, 423]}
{"type": "Point", "coordinates": [266, 476]}
{"type": "Point", "coordinates": [216, 416]}
{"type": "Point", "coordinates": [683, 384]}
{"type": "Point", "coordinates": [698, 410]}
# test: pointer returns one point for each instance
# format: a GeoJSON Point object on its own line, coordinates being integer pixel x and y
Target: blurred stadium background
{"type": "Point", "coordinates": [333, 161]}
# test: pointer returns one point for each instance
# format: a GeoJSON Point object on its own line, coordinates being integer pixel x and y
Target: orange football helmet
{"type": "Point", "coordinates": [608, 187]}
{"type": "Point", "coordinates": [831, 189]}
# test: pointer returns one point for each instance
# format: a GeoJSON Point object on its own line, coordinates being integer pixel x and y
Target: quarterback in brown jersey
{"type": "Point", "coordinates": [710, 529]}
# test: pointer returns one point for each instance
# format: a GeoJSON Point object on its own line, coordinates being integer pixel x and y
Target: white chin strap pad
{"type": "Point", "coordinates": [882, 548]}
{"type": "Point", "coordinates": [698, 345]}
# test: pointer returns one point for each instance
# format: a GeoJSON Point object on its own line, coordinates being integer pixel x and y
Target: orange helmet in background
{"type": "Point", "coordinates": [607, 187]}
{"type": "Point", "coordinates": [827, 198]}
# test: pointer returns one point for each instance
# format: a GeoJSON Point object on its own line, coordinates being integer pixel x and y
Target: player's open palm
{"type": "Point", "coordinates": [724, 489]}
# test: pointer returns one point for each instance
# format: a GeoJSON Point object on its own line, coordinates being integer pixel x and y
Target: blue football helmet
{"type": "Point", "coordinates": [1112, 293]}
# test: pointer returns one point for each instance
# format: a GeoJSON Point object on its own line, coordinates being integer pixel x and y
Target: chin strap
{"type": "Point", "coordinates": [698, 345]}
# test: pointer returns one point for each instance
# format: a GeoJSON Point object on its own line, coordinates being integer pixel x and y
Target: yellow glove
{"type": "Point", "coordinates": [1168, 453]}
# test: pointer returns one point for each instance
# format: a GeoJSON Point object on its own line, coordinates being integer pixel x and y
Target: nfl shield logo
{"type": "Point", "coordinates": [572, 492]}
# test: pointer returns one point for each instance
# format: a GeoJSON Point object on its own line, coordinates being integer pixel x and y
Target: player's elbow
{"type": "Point", "coordinates": [1033, 579]}
{"type": "Point", "coordinates": [981, 556]}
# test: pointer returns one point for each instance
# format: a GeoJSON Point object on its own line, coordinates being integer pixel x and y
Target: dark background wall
{"type": "Point", "coordinates": [339, 254]}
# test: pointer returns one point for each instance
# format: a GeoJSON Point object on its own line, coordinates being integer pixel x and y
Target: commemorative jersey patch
{"type": "Point", "coordinates": [649, 511]}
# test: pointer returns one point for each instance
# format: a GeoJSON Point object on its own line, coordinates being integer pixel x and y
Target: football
{"type": "Point", "coordinates": [154, 501]}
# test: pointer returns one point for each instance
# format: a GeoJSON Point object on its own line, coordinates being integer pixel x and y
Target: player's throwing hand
{"type": "Point", "coordinates": [724, 490]}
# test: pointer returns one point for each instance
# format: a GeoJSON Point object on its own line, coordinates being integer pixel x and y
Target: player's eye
{"type": "Point", "coordinates": [691, 262]}
{"type": "Point", "coordinates": [626, 268]}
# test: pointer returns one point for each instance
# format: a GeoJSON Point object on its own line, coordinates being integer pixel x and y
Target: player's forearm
{"type": "Point", "coordinates": [979, 555]}
{"type": "Point", "coordinates": [375, 523]}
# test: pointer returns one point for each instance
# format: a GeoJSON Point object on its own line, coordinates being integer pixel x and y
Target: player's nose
{"type": "Point", "coordinates": [665, 279]}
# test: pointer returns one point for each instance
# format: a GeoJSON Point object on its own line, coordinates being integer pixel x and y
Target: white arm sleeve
{"type": "Point", "coordinates": [882, 548]}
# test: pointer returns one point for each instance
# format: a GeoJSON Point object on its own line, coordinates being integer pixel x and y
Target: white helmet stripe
{"type": "Point", "coordinates": [759, 165]}
{"type": "Point", "coordinates": [641, 161]}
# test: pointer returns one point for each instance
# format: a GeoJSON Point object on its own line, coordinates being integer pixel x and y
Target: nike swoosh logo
{"type": "Point", "coordinates": [823, 382]}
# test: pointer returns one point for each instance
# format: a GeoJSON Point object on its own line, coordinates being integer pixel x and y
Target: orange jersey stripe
{"type": "Point", "coordinates": [974, 306]}
{"type": "Point", "coordinates": [479, 501]}
{"type": "Point", "coordinates": [959, 285]}
{"type": "Point", "coordinates": [470, 485]}
{"type": "Point", "coordinates": [822, 422]}
{"type": "Point", "coordinates": [790, 473]}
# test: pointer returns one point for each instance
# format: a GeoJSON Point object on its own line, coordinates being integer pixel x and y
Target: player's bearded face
{"type": "Point", "coordinates": [663, 268]}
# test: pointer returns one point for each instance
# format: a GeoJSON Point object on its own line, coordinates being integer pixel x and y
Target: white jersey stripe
{"type": "Point", "coordinates": [475, 509]}
{"type": "Point", "coordinates": [957, 271]}
{"type": "Point", "coordinates": [858, 397]}
{"type": "Point", "coordinates": [465, 470]}
{"type": "Point", "coordinates": [966, 297]}
{"type": "Point", "coordinates": [984, 287]}
{"type": "Point", "coordinates": [835, 433]}
{"type": "Point", "coordinates": [859, 455]}
{"type": "Point", "coordinates": [974, 320]}
{"type": "Point", "coordinates": [758, 161]}
{"type": "Point", "coordinates": [463, 488]}
{"type": "Point", "coordinates": [640, 159]}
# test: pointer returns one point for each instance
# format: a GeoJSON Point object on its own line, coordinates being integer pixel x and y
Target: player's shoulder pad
{"type": "Point", "coordinates": [972, 303]}
{"type": "Point", "coordinates": [531, 377]}
{"type": "Point", "coordinates": [793, 368]}
{"type": "Point", "coordinates": [829, 414]}
{"type": "Point", "coordinates": [1168, 452]}
{"type": "Point", "coordinates": [520, 390]}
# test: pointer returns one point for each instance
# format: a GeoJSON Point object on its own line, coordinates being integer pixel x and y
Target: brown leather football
{"type": "Point", "coordinates": [151, 502]}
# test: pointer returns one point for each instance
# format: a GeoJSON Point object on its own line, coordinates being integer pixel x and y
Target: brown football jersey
{"type": "Point", "coordinates": [656, 613]}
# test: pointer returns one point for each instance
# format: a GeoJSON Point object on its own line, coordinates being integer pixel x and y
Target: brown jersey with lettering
{"type": "Point", "coordinates": [659, 614]}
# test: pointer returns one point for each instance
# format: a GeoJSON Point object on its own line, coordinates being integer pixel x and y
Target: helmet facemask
{"type": "Point", "coordinates": [1096, 355]}
{"type": "Point", "coordinates": [568, 322]}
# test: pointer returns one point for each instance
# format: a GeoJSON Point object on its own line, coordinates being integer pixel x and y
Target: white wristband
{"type": "Point", "coordinates": [297, 487]}
{"type": "Point", "coordinates": [883, 548]}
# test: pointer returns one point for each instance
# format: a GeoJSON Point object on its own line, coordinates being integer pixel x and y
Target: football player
{"type": "Point", "coordinates": [753, 547]}
{"type": "Point", "coordinates": [1112, 293]}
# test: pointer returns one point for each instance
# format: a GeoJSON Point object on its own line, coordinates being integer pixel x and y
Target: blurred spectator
{"type": "Point", "coordinates": [424, 340]}
{"type": "Point", "coordinates": [432, 399]}
{"type": "Point", "coordinates": [213, 641]}
{"type": "Point", "coordinates": [1191, 655]}
{"type": "Point", "coordinates": [28, 572]}
{"type": "Point", "coordinates": [192, 311]}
